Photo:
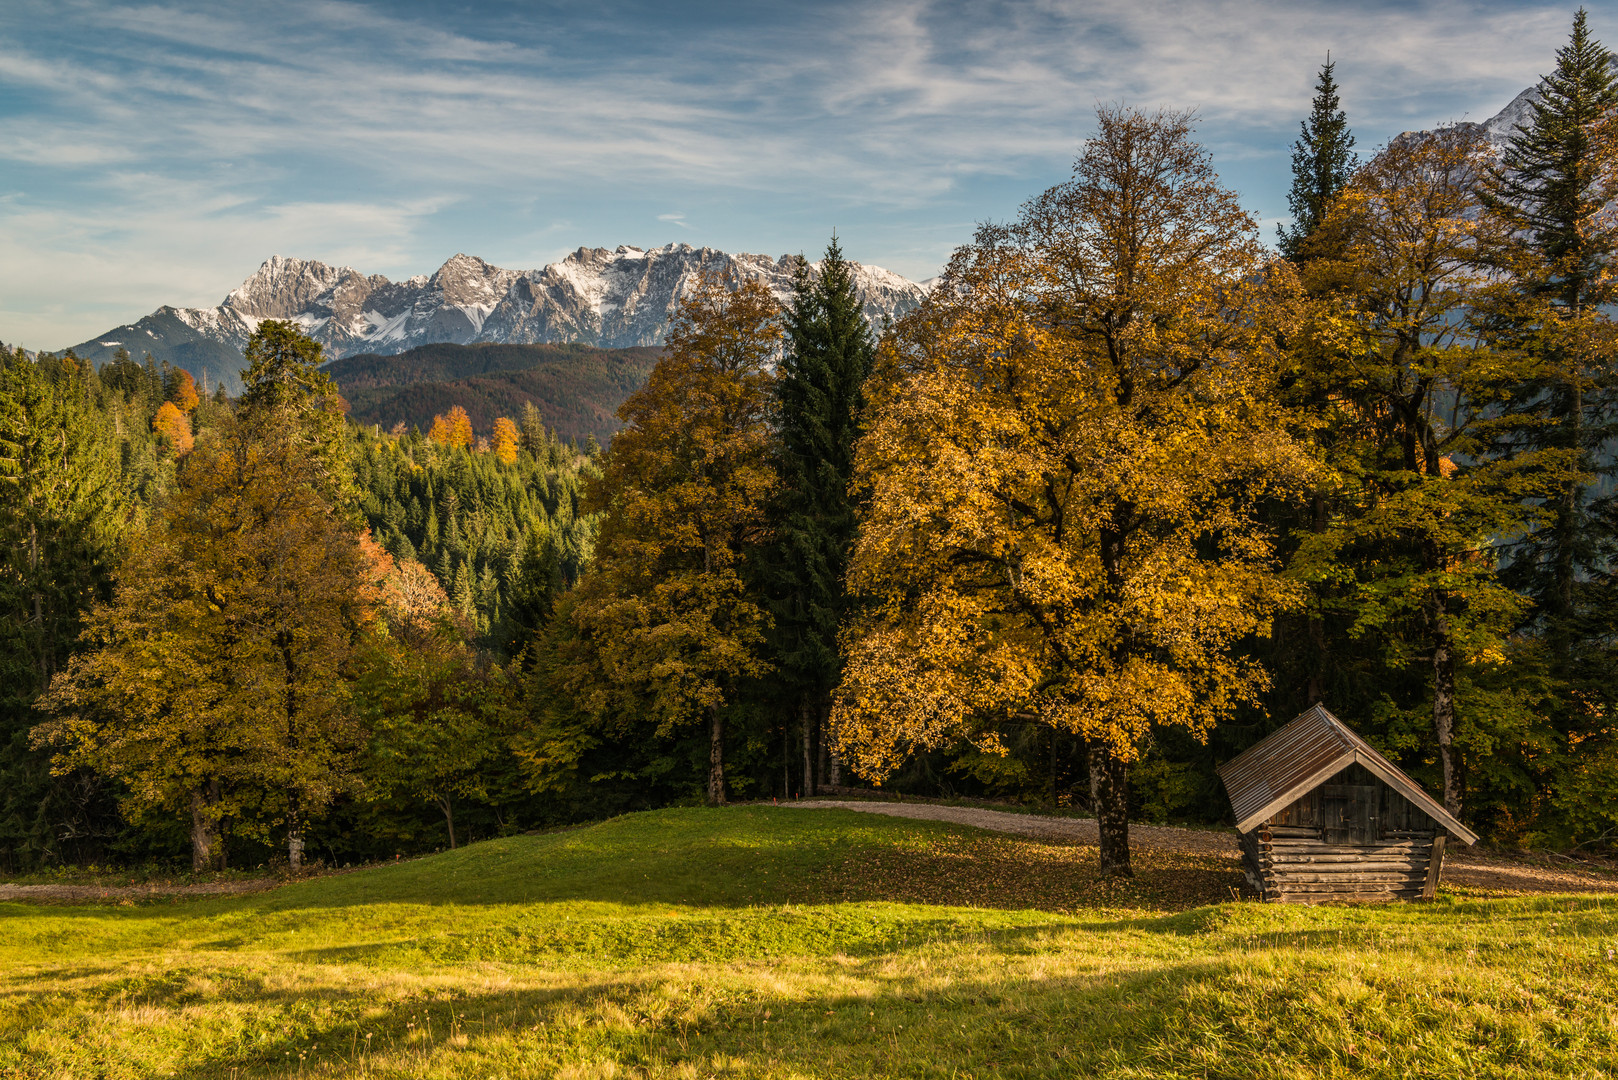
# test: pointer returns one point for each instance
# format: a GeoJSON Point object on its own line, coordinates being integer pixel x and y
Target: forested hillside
{"type": "Point", "coordinates": [576, 388]}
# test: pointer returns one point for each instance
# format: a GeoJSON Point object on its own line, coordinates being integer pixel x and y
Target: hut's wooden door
{"type": "Point", "coordinates": [1350, 811]}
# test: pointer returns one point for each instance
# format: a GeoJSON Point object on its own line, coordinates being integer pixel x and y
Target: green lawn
{"type": "Point", "coordinates": [772, 942]}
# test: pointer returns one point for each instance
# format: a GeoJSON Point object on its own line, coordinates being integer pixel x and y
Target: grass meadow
{"type": "Point", "coordinates": [771, 942]}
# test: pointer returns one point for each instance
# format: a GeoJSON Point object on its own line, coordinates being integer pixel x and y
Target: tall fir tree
{"type": "Point", "coordinates": [1552, 188]}
{"type": "Point", "coordinates": [1556, 177]}
{"type": "Point", "coordinates": [61, 512]}
{"type": "Point", "coordinates": [1322, 161]}
{"type": "Point", "coordinates": [829, 355]}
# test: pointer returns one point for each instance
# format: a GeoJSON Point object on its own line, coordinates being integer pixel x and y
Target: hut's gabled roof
{"type": "Point", "coordinates": [1287, 764]}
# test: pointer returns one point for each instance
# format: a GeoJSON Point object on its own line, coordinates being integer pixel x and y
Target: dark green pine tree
{"type": "Point", "coordinates": [1555, 179]}
{"type": "Point", "coordinates": [829, 354]}
{"type": "Point", "coordinates": [61, 513]}
{"type": "Point", "coordinates": [1322, 162]}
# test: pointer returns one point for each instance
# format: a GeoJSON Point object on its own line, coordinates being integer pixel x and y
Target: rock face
{"type": "Point", "coordinates": [612, 299]}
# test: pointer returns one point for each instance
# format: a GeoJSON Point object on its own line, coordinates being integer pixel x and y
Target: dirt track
{"type": "Point", "coordinates": [80, 894]}
{"type": "Point", "coordinates": [1467, 867]}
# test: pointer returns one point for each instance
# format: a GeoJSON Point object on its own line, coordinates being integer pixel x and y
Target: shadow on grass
{"type": "Point", "coordinates": [1221, 1016]}
{"type": "Point", "coordinates": [977, 1027]}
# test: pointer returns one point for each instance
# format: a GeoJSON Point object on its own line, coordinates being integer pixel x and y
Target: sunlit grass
{"type": "Point", "coordinates": [760, 942]}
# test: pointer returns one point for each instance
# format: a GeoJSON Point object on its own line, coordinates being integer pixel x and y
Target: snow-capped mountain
{"type": "Point", "coordinates": [613, 299]}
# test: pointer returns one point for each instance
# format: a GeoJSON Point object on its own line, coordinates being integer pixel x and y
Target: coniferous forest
{"type": "Point", "coordinates": [1130, 490]}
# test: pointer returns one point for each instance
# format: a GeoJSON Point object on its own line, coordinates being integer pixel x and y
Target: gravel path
{"type": "Point", "coordinates": [77, 894]}
{"type": "Point", "coordinates": [1469, 867]}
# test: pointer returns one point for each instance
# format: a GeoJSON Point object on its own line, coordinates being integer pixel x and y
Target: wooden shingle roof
{"type": "Point", "coordinates": [1287, 764]}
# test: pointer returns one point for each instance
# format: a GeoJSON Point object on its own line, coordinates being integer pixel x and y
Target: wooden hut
{"type": "Point", "coordinates": [1323, 816]}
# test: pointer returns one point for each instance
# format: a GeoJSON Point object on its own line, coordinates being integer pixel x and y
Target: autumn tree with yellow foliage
{"type": "Point", "coordinates": [173, 428]}
{"type": "Point", "coordinates": [667, 625]}
{"type": "Point", "coordinates": [1066, 447]}
{"type": "Point", "coordinates": [507, 440]}
{"type": "Point", "coordinates": [214, 683]}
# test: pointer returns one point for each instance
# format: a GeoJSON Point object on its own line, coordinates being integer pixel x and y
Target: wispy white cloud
{"type": "Point", "coordinates": [192, 140]}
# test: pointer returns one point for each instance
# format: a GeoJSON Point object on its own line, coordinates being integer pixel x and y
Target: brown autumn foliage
{"type": "Point", "coordinates": [668, 626]}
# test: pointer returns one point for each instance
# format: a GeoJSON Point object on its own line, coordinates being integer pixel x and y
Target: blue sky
{"type": "Point", "coordinates": [157, 153]}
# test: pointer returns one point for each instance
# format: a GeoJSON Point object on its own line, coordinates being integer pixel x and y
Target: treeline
{"type": "Point", "coordinates": [178, 564]}
{"type": "Point", "coordinates": [1128, 491]}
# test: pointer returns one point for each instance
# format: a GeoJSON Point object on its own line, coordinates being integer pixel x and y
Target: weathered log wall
{"type": "Point", "coordinates": [1352, 838]}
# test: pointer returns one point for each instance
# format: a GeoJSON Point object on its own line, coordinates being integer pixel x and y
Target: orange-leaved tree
{"type": "Point", "coordinates": [181, 389]}
{"type": "Point", "coordinates": [666, 623]}
{"type": "Point", "coordinates": [452, 429]}
{"type": "Point", "coordinates": [173, 428]}
{"type": "Point", "coordinates": [507, 439]}
{"type": "Point", "coordinates": [1066, 447]}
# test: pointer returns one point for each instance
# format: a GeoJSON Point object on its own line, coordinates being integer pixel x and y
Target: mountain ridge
{"type": "Point", "coordinates": [614, 299]}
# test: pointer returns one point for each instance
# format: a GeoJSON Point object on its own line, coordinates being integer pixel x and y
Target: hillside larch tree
{"type": "Point", "coordinates": [1067, 443]}
{"type": "Point", "coordinates": [174, 428]}
{"type": "Point", "coordinates": [668, 623]}
{"type": "Point", "coordinates": [452, 429]}
{"type": "Point", "coordinates": [507, 440]}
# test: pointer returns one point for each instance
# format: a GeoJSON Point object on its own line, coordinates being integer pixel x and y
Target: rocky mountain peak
{"type": "Point", "coordinates": [613, 298]}
{"type": "Point", "coordinates": [282, 287]}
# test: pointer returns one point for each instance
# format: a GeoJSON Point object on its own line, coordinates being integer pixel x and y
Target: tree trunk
{"type": "Point", "coordinates": [294, 811]}
{"type": "Point", "coordinates": [294, 831]}
{"type": "Point", "coordinates": [204, 827]}
{"type": "Point", "coordinates": [1566, 528]}
{"type": "Point", "coordinates": [808, 748]}
{"type": "Point", "coordinates": [1444, 706]}
{"type": "Point", "coordinates": [716, 758]}
{"type": "Point", "coordinates": [834, 767]}
{"type": "Point", "coordinates": [1316, 690]}
{"type": "Point", "coordinates": [1109, 785]}
{"type": "Point", "coordinates": [448, 810]}
{"type": "Point", "coordinates": [820, 740]}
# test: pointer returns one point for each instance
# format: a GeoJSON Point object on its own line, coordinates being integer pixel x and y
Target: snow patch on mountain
{"type": "Point", "coordinates": [613, 299]}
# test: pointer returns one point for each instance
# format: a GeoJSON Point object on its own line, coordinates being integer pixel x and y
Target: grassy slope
{"type": "Point", "coordinates": [772, 942]}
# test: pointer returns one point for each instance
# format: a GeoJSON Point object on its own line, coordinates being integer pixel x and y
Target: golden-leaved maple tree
{"type": "Point", "coordinates": [1066, 447]}
{"type": "Point", "coordinates": [667, 626]}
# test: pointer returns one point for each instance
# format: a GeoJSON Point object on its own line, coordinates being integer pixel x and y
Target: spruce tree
{"type": "Point", "coordinates": [1322, 161]}
{"type": "Point", "coordinates": [829, 355]}
{"type": "Point", "coordinates": [1554, 180]}
{"type": "Point", "coordinates": [62, 510]}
